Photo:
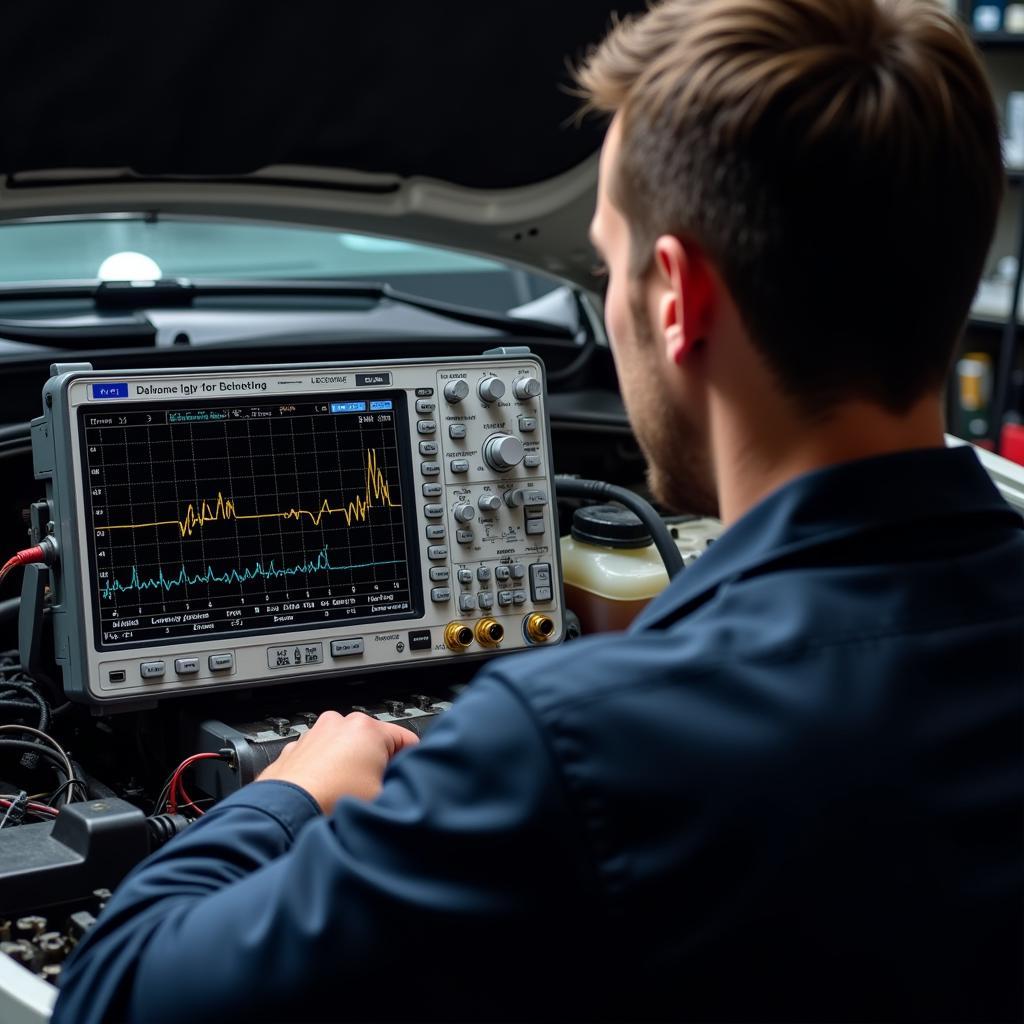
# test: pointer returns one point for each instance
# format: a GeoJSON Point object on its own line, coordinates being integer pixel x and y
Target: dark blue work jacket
{"type": "Point", "coordinates": [794, 790]}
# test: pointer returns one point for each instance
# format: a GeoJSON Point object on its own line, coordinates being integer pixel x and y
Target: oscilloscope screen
{"type": "Point", "coordinates": [206, 520]}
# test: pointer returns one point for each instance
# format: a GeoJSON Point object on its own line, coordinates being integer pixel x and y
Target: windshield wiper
{"type": "Point", "coordinates": [127, 297]}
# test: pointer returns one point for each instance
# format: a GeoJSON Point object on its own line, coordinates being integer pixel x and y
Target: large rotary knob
{"type": "Point", "coordinates": [463, 512]}
{"type": "Point", "coordinates": [491, 389]}
{"type": "Point", "coordinates": [526, 388]}
{"type": "Point", "coordinates": [489, 503]}
{"type": "Point", "coordinates": [503, 452]}
{"type": "Point", "coordinates": [455, 391]}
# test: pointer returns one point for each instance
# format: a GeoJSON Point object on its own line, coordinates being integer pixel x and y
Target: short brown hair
{"type": "Point", "coordinates": [837, 160]}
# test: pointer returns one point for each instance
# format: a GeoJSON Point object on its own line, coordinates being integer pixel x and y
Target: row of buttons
{"type": "Point", "coordinates": [187, 666]}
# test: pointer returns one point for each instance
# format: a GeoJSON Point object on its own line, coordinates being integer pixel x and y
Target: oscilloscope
{"type": "Point", "coordinates": [221, 528]}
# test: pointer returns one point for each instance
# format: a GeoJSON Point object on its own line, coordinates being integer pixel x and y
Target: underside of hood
{"type": "Point", "coordinates": [475, 95]}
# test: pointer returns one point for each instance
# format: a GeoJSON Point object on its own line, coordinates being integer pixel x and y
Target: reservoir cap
{"type": "Point", "coordinates": [610, 526]}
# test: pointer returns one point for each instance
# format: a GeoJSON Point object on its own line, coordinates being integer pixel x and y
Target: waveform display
{"type": "Point", "coordinates": [375, 494]}
{"type": "Point", "coordinates": [322, 563]}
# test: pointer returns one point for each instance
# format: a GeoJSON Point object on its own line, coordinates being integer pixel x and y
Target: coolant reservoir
{"type": "Point", "coordinates": [611, 567]}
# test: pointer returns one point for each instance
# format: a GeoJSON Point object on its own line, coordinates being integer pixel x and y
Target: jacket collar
{"type": "Point", "coordinates": [830, 505]}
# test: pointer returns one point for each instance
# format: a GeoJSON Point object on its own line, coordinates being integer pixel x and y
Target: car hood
{"type": "Point", "coordinates": [422, 121]}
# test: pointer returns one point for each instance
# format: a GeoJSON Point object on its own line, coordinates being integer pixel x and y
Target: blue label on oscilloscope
{"type": "Point", "coordinates": [109, 390]}
{"type": "Point", "coordinates": [379, 406]}
{"type": "Point", "coordinates": [348, 407]}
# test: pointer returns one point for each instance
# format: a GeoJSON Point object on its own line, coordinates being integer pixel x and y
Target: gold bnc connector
{"type": "Point", "coordinates": [489, 632]}
{"type": "Point", "coordinates": [538, 628]}
{"type": "Point", "coordinates": [457, 636]}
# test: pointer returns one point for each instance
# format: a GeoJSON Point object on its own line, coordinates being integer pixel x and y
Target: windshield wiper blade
{"type": "Point", "coordinates": [181, 293]}
{"type": "Point", "coordinates": [81, 331]}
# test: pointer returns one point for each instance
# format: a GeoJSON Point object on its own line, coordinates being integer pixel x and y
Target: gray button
{"type": "Point", "coordinates": [436, 552]}
{"type": "Point", "coordinates": [534, 526]}
{"type": "Point", "coordinates": [540, 581]}
{"type": "Point", "coordinates": [467, 603]}
{"type": "Point", "coordinates": [440, 595]}
{"type": "Point", "coordinates": [518, 571]}
{"type": "Point", "coordinates": [186, 666]}
{"type": "Point", "coordinates": [281, 657]}
{"type": "Point", "coordinates": [439, 574]}
{"type": "Point", "coordinates": [525, 496]}
{"type": "Point", "coordinates": [540, 574]}
{"type": "Point", "coordinates": [344, 648]}
{"type": "Point", "coordinates": [519, 597]}
{"type": "Point", "coordinates": [424, 392]}
{"type": "Point", "coordinates": [460, 466]}
{"type": "Point", "coordinates": [486, 599]}
{"type": "Point", "coordinates": [426, 426]}
{"type": "Point", "coordinates": [531, 461]}
{"type": "Point", "coordinates": [430, 468]}
{"type": "Point", "coordinates": [483, 574]}
{"type": "Point", "coordinates": [435, 532]}
{"type": "Point", "coordinates": [432, 490]}
{"type": "Point", "coordinates": [428, 447]}
{"type": "Point", "coordinates": [151, 669]}
{"type": "Point", "coordinates": [433, 511]}
{"type": "Point", "coordinates": [504, 598]}
{"type": "Point", "coordinates": [527, 424]}
{"type": "Point", "coordinates": [221, 662]}
{"type": "Point", "coordinates": [502, 572]}
{"type": "Point", "coordinates": [457, 431]}
{"type": "Point", "coordinates": [464, 536]}
{"type": "Point", "coordinates": [425, 407]}
{"type": "Point", "coordinates": [465, 575]}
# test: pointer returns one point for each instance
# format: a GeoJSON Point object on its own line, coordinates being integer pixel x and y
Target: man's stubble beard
{"type": "Point", "coordinates": [680, 474]}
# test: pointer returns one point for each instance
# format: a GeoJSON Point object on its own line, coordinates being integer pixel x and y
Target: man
{"type": "Point", "coordinates": [792, 791]}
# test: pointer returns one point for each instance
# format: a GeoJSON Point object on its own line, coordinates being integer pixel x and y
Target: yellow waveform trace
{"type": "Point", "coordinates": [376, 494]}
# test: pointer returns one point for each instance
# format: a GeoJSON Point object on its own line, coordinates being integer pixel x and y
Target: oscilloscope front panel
{"type": "Point", "coordinates": [222, 528]}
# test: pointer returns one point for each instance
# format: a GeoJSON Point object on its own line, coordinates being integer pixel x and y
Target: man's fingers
{"type": "Point", "coordinates": [398, 738]}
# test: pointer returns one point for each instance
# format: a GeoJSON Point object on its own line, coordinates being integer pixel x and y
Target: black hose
{"type": "Point", "coordinates": [598, 490]}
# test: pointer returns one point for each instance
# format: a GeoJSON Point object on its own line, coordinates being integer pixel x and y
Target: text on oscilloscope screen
{"type": "Point", "coordinates": [210, 519]}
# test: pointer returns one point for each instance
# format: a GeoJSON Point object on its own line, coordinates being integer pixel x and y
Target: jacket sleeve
{"type": "Point", "coordinates": [265, 909]}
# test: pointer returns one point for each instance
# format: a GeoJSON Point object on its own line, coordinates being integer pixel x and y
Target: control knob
{"type": "Point", "coordinates": [455, 391]}
{"type": "Point", "coordinates": [491, 389]}
{"type": "Point", "coordinates": [526, 387]}
{"type": "Point", "coordinates": [489, 503]}
{"type": "Point", "coordinates": [503, 452]}
{"type": "Point", "coordinates": [463, 512]}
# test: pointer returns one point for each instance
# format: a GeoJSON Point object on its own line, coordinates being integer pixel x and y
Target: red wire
{"type": "Point", "coordinates": [176, 784]}
{"type": "Point", "coordinates": [32, 806]}
{"type": "Point", "coordinates": [25, 557]}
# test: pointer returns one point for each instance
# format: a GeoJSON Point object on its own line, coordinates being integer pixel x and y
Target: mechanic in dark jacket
{"type": "Point", "coordinates": [793, 790]}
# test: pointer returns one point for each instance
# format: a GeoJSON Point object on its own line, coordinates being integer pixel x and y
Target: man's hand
{"type": "Point", "coordinates": [340, 756]}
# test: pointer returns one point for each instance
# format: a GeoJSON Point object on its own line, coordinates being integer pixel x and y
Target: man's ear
{"type": "Point", "coordinates": [687, 296]}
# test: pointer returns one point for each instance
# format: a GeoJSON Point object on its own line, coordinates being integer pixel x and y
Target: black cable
{"type": "Point", "coordinates": [52, 799]}
{"type": "Point", "coordinates": [45, 752]}
{"type": "Point", "coordinates": [9, 687]}
{"type": "Point", "coordinates": [570, 487]}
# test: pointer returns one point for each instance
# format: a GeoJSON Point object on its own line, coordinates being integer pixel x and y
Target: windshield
{"type": "Point", "coordinates": [134, 247]}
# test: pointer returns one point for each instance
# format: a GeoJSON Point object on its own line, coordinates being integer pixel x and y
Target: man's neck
{"type": "Point", "coordinates": [754, 459]}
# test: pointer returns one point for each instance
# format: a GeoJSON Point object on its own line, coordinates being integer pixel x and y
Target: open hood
{"type": "Point", "coordinates": [444, 123]}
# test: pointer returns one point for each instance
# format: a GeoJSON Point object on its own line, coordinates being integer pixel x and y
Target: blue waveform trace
{"type": "Point", "coordinates": [322, 563]}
